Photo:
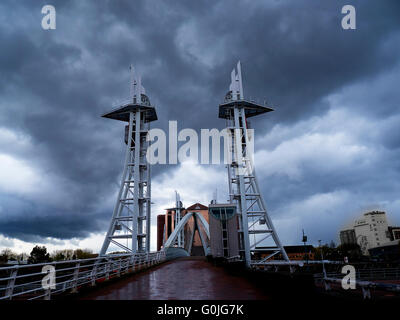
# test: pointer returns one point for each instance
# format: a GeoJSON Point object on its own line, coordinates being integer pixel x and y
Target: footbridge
{"type": "Point", "coordinates": [171, 246]}
{"type": "Point", "coordinates": [240, 229]}
{"type": "Point", "coordinates": [151, 276]}
{"type": "Point", "coordinates": [127, 277]}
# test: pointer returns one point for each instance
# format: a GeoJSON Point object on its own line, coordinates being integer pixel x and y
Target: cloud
{"type": "Point", "coordinates": [91, 242]}
{"type": "Point", "coordinates": [6, 242]}
{"type": "Point", "coordinates": [334, 128]}
{"type": "Point", "coordinates": [323, 172]}
{"type": "Point", "coordinates": [194, 183]}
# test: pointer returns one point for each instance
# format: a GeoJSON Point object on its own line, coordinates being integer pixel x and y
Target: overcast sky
{"type": "Point", "coordinates": [329, 151]}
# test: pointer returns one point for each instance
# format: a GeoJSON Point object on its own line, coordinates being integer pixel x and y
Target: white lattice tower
{"type": "Point", "coordinates": [129, 228]}
{"type": "Point", "coordinates": [255, 226]}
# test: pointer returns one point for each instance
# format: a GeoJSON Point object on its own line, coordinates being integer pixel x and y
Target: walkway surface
{"type": "Point", "coordinates": [183, 279]}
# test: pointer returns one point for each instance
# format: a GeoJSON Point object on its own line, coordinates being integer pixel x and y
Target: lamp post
{"type": "Point", "coordinates": [305, 249]}
{"type": "Point", "coordinates": [322, 258]}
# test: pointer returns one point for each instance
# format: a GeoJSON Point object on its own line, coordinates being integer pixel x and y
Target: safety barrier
{"type": "Point", "coordinates": [383, 279]}
{"type": "Point", "coordinates": [28, 282]}
{"type": "Point", "coordinates": [371, 274]}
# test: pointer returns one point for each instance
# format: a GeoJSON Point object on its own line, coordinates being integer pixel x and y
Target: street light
{"type": "Point", "coordinates": [305, 250]}
{"type": "Point", "coordinates": [322, 258]}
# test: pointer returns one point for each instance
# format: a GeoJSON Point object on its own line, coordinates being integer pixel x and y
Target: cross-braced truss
{"type": "Point", "coordinates": [129, 229]}
{"type": "Point", "coordinates": [198, 220]}
{"type": "Point", "coordinates": [256, 230]}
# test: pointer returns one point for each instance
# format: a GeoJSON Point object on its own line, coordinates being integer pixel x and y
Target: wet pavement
{"type": "Point", "coordinates": [183, 279]}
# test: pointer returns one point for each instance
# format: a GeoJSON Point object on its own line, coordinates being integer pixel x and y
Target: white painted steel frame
{"type": "Point", "coordinates": [180, 240]}
{"type": "Point", "coordinates": [180, 227]}
{"type": "Point", "coordinates": [133, 203]}
{"type": "Point", "coordinates": [243, 185]}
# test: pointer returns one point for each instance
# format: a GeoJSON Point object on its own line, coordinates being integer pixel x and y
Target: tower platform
{"type": "Point", "coordinates": [122, 113]}
{"type": "Point", "coordinates": [251, 109]}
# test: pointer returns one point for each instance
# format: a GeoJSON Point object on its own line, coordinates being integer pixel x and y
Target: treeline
{"type": "Point", "coordinates": [337, 253]}
{"type": "Point", "coordinates": [39, 254]}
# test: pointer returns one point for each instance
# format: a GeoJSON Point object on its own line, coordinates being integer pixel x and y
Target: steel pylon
{"type": "Point", "coordinates": [180, 239]}
{"type": "Point", "coordinates": [256, 230]}
{"type": "Point", "coordinates": [129, 228]}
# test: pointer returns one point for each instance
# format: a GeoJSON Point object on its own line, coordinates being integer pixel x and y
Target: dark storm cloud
{"type": "Point", "coordinates": [55, 84]}
{"type": "Point", "coordinates": [322, 179]}
{"type": "Point", "coordinates": [30, 221]}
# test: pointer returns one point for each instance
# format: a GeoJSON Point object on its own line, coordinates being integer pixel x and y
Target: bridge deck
{"type": "Point", "coordinates": [182, 279]}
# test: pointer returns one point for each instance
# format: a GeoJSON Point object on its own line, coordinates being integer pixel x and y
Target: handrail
{"type": "Point", "coordinates": [369, 274]}
{"type": "Point", "coordinates": [25, 281]}
{"type": "Point", "coordinates": [365, 279]}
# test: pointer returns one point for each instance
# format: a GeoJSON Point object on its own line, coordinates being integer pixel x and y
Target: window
{"type": "Point", "coordinates": [216, 212]}
{"type": "Point", "coordinates": [223, 224]}
{"type": "Point", "coordinates": [230, 212]}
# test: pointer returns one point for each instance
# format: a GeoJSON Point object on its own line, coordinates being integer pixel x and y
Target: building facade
{"type": "Point", "coordinates": [348, 237]}
{"type": "Point", "coordinates": [369, 231]}
{"type": "Point", "coordinates": [160, 231]}
{"type": "Point", "coordinates": [224, 226]}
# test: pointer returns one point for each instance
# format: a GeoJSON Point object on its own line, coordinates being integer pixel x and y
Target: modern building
{"type": "Point", "coordinates": [160, 230]}
{"type": "Point", "coordinates": [224, 227]}
{"type": "Point", "coordinates": [165, 226]}
{"type": "Point", "coordinates": [369, 231]}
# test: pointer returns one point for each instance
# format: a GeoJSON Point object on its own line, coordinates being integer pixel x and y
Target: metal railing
{"type": "Point", "coordinates": [275, 264]}
{"type": "Point", "coordinates": [24, 282]}
{"type": "Point", "coordinates": [366, 280]}
{"type": "Point", "coordinates": [371, 274]}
